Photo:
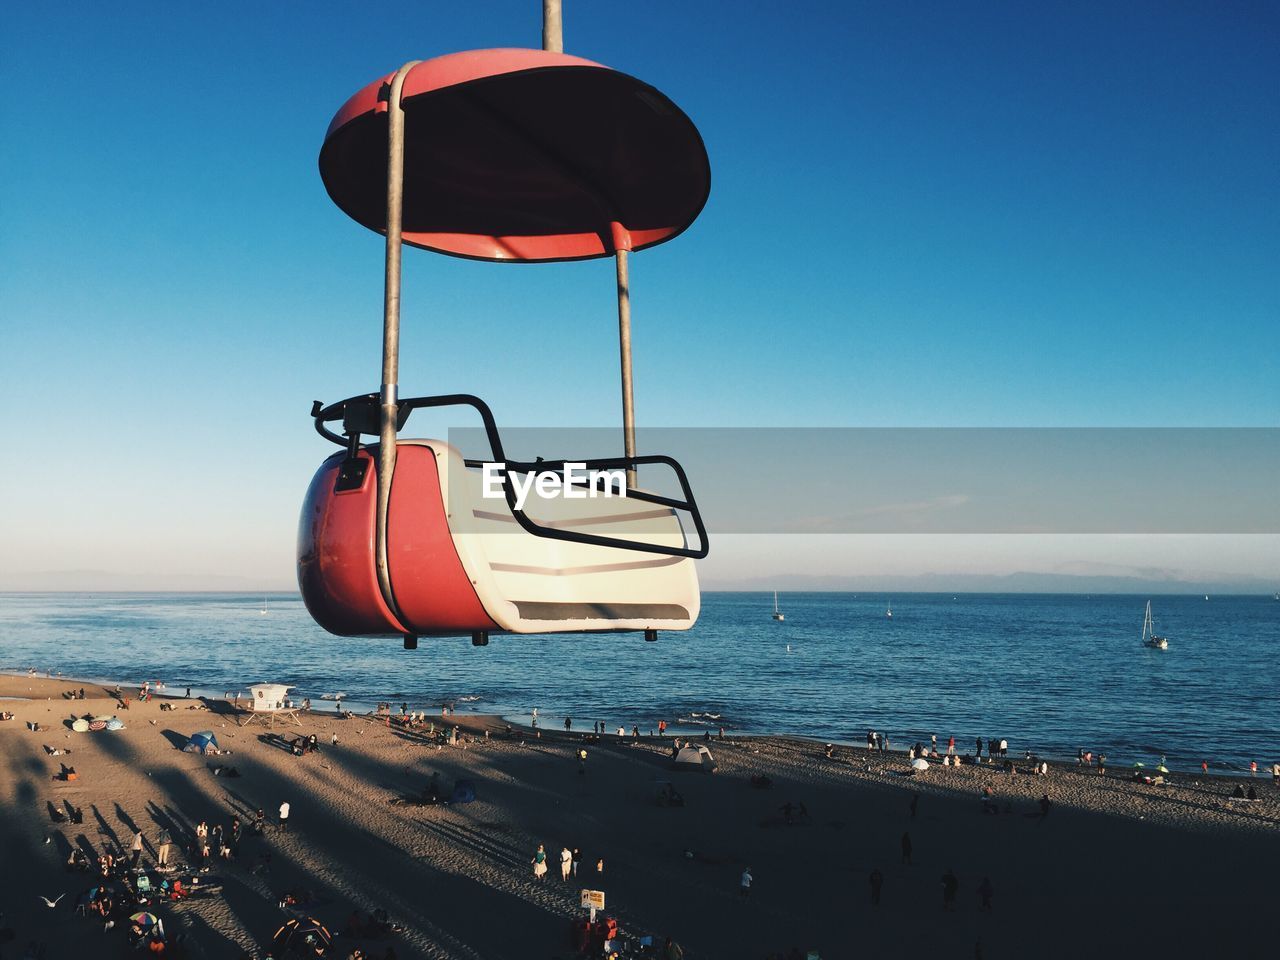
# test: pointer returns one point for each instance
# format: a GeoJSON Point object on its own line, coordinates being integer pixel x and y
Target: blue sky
{"type": "Point", "coordinates": [925, 214]}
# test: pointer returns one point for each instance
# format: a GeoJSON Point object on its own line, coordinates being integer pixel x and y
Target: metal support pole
{"type": "Point", "coordinates": [552, 27]}
{"type": "Point", "coordinates": [391, 325]}
{"type": "Point", "coordinates": [624, 353]}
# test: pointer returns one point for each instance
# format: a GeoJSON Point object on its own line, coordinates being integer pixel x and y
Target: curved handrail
{"type": "Point", "coordinates": [362, 414]}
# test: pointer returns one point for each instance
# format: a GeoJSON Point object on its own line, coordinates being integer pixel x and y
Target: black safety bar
{"type": "Point", "coordinates": [361, 415]}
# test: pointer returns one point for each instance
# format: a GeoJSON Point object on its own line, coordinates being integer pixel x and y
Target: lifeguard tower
{"type": "Point", "coordinates": [267, 703]}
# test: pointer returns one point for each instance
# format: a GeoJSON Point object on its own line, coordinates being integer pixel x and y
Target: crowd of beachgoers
{"type": "Point", "coordinates": [415, 831]}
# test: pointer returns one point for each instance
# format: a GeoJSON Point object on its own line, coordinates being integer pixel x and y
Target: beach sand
{"type": "Point", "coordinates": [1116, 868]}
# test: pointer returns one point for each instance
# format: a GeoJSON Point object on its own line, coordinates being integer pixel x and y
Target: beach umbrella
{"type": "Point", "coordinates": [920, 764]}
{"type": "Point", "coordinates": [306, 937]}
{"type": "Point", "coordinates": [145, 920]}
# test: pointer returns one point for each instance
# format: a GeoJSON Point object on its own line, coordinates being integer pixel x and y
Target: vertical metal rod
{"type": "Point", "coordinates": [391, 326]}
{"type": "Point", "coordinates": [552, 27]}
{"type": "Point", "coordinates": [624, 352]}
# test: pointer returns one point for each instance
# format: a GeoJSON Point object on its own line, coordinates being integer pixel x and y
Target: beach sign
{"type": "Point", "coordinates": [592, 899]}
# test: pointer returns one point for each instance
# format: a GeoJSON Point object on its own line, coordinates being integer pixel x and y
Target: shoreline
{"type": "Point", "coordinates": [321, 707]}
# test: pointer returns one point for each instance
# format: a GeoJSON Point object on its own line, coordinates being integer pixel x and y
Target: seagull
{"type": "Point", "coordinates": [52, 903]}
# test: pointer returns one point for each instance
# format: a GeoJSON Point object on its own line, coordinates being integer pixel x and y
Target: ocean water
{"type": "Point", "coordinates": [1050, 673]}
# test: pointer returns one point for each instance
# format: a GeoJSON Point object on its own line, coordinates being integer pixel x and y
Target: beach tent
{"type": "Point", "coordinates": [464, 791]}
{"type": "Point", "coordinates": [80, 725]}
{"type": "Point", "coordinates": [115, 724]}
{"type": "Point", "coordinates": [920, 764]}
{"type": "Point", "coordinates": [305, 937]}
{"type": "Point", "coordinates": [202, 742]}
{"type": "Point", "coordinates": [691, 757]}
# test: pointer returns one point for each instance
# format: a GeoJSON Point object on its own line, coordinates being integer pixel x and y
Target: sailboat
{"type": "Point", "coordinates": [889, 612]}
{"type": "Point", "coordinates": [1149, 638]}
{"type": "Point", "coordinates": [777, 614]}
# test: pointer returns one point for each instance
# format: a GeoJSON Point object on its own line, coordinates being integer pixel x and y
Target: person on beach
{"type": "Point", "coordinates": [163, 840]}
{"type": "Point", "coordinates": [135, 848]}
{"type": "Point", "coordinates": [949, 887]}
{"type": "Point", "coordinates": [662, 728]}
{"type": "Point", "coordinates": [933, 743]}
{"type": "Point", "coordinates": [1102, 764]}
{"type": "Point", "coordinates": [1275, 773]}
{"type": "Point", "coordinates": [985, 892]}
{"type": "Point", "coordinates": [672, 951]}
{"type": "Point", "coordinates": [635, 732]}
{"type": "Point", "coordinates": [915, 802]}
{"type": "Point", "coordinates": [1045, 806]}
{"type": "Point", "coordinates": [877, 881]}
{"type": "Point", "coordinates": [259, 821]}
{"type": "Point", "coordinates": [284, 816]}
{"type": "Point", "coordinates": [744, 883]}
{"type": "Point", "coordinates": [568, 724]}
{"type": "Point", "coordinates": [1204, 767]}
{"type": "Point", "coordinates": [906, 849]}
{"type": "Point", "coordinates": [539, 862]}
{"type": "Point", "coordinates": [977, 748]}
{"type": "Point", "coordinates": [951, 747]}
{"type": "Point", "coordinates": [566, 863]}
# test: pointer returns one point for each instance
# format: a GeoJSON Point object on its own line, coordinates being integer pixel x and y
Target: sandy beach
{"type": "Point", "coordinates": [1115, 867]}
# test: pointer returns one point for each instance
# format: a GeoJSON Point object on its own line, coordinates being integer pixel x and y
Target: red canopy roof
{"type": "Point", "coordinates": [522, 155]}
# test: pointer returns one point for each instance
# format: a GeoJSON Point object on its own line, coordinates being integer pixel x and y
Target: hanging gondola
{"type": "Point", "coordinates": [503, 155]}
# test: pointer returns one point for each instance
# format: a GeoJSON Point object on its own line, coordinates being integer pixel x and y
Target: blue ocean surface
{"type": "Point", "coordinates": [1050, 673]}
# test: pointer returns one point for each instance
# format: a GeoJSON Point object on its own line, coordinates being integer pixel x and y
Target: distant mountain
{"type": "Point", "coordinates": [1107, 580]}
{"type": "Point", "coordinates": [1022, 582]}
{"type": "Point", "coordinates": [105, 581]}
